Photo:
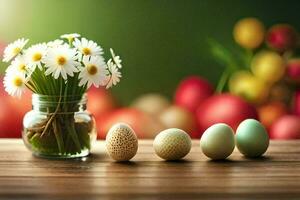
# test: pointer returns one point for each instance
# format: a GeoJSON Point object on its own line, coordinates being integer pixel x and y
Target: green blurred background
{"type": "Point", "coordinates": [160, 41]}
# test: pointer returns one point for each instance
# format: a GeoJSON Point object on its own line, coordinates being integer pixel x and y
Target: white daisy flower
{"type": "Point", "coordinates": [94, 71]}
{"type": "Point", "coordinates": [55, 43]}
{"type": "Point", "coordinates": [14, 83]}
{"type": "Point", "coordinates": [13, 49]}
{"type": "Point", "coordinates": [61, 60]}
{"type": "Point", "coordinates": [34, 56]}
{"type": "Point", "coordinates": [70, 36]}
{"type": "Point", "coordinates": [87, 47]}
{"type": "Point", "coordinates": [18, 65]}
{"type": "Point", "coordinates": [114, 76]}
{"type": "Point", "coordinates": [117, 60]}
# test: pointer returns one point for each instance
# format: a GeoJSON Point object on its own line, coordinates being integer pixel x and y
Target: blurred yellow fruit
{"type": "Point", "coordinates": [249, 33]}
{"type": "Point", "coordinates": [268, 66]}
{"type": "Point", "coordinates": [252, 89]}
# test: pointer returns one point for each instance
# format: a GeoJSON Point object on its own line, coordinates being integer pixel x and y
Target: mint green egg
{"type": "Point", "coordinates": [252, 139]}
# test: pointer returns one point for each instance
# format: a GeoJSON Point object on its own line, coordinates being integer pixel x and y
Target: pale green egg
{"type": "Point", "coordinates": [217, 142]}
{"type": "Point", "coordinates": [252, 139]}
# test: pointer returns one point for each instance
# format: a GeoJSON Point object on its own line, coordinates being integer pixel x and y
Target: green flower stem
{"type": "Point", "coordinates": [55, 112]}
{"type": "Point", "coordinates": [71, 130]}
{"type": "Point", "coordinates": [30, 87]}
{"type": "Point", "coordinates": [58, 136]}
{"type": "Point", "coordinates": [68, 142]}
{"type": "Point", "coordinates": [222, 81]}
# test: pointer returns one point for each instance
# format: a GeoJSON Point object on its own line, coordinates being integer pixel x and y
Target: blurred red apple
{"type": "Point", "coordinates": [12, 111]}
{"type": "Point", "coordinates": [100, 102]}
{"type": "Point", "coordinates": [192, 91]}
{"type": "Point", "coordinates": [293, 69]}
{"type": "Point", "coordinates": [151, 103]}
{"type": "Point", "coordinates": [286, 127]}
{"type": "Point", "coordinates": [270, 112]}
{"type": "Point", "coordinates": [177, 117]}
{"type": "Point", "coordinates": [144, 125]}
{"type": "Point", "coordinates": [282, 37]}
{"type": "Point", "coordinates": [224, 108]}
{"type": "Point", "coordinates": [10, 121]}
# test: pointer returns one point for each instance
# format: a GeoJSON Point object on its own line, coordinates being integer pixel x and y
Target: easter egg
{"type": "Point", "coordinates": [286, 127]}
{"type": "Point", "coordinates": [178, 117]}
{"type": "Point", "coordinates": [224, 108]}
{"type": "Point", "coordinates": [144, 125]}
{"type": "Point", "coordinates": [172, 144]}
{"type": "Point", "coordinates": [100, 101]}
{"type": "Point", "coordinates": [244, 84]}
{"type": "Point", "coordinates": [282, 37]}
{"type": "Point", "coordinates": [270, 112]}
{"type": "Point", "coordinates": [121, 142]}
{"type": "Point", "coordinates": [252, 139]}
{"type": "Point", "coordinates": [217, 142]}
{"type": "Point", "coordinates": [191, 92]}
{"type": "Point", "coordinates": [249, 33]}
{"type": "Point", "coordinates": [151, 103]}
{"type": "Point", "coordinates": [293, 69]}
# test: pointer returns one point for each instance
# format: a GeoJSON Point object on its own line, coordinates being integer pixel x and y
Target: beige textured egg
{"type": "Point", "coordinates": [172, 144]}
{"type": "Point", "coordinates": [121, 142]}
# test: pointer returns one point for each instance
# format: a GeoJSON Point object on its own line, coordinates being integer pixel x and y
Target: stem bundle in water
{"type": "Point", "coordinates": [61, 133]}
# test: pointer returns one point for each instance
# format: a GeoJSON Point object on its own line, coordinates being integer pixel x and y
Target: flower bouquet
{"type": "Point", "coordinates": [59, 73]}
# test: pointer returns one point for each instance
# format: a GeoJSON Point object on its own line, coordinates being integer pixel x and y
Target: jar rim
{"type": "Point", "coordinates": [45, 99]}
{"type": "Point", "coordinates": [45, 95]}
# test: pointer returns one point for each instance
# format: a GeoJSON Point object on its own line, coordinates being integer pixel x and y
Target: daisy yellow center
{"type": "Point", "coordinates": [37, 57]}
{"type": "Point", "coordinates": [18, 82]}
{"type": "Point", "coordinates": [61, 60]}
{"type": "Point", "coordinates": [92, 69]}
{"type": "Point", "coordinates": [86, 51]}
{"type": "Point", "coordinates": [22, 67]}
{"type": "Point", "coordinates": [16, 50]}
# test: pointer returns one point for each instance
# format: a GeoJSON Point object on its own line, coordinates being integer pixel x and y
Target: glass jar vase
{"type": "Point", "coordinates": [59, 127]}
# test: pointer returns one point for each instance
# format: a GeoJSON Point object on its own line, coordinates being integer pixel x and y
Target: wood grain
{"type": "Point", "coordinates": [275, 176]}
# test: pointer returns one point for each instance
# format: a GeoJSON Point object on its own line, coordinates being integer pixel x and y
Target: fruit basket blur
{"type": "Point", "coordinates": [264, 72]}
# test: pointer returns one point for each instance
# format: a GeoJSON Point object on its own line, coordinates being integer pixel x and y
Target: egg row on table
{"type": "Point", "coordinates": [217, 142]}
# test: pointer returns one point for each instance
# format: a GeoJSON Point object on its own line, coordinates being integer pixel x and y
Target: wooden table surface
{"type": "Point", "coordinates": [275, 176]}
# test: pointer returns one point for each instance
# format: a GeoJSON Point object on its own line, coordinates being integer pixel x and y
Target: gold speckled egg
{"type": "Point", "coordinates": [121, 142]}
{"type": "Point", "coordinates": [172, 144]}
